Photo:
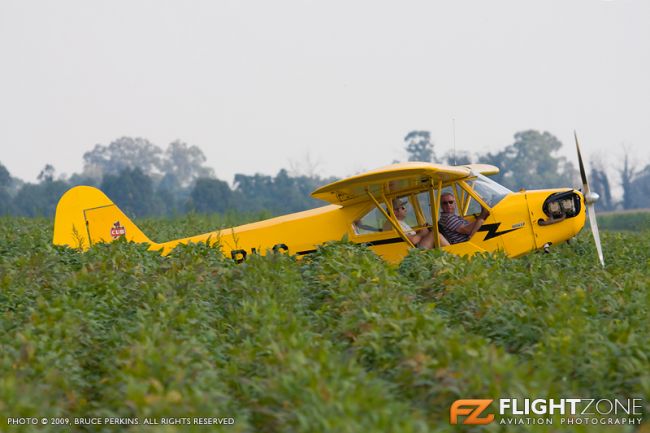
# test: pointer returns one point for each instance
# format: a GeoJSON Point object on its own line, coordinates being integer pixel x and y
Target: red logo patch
{"type": "Point", "coordinates": [117, 230]}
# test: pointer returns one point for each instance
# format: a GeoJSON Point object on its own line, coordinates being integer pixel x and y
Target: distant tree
{"type": "Point", "coordinates": [460, 157]}
{"type": "Point", "coordinates": [419, 146]}
{"type": "Point", "coordinates": [5, 176]}
{"type": "Point", "coordinates": [6, 205]}
{"type": "Point", "coordinates": [170, 195]}
{"type": "Point", "coordinates": [125, 152]}
{"type": "Point", "coordinates": [47, 174]}
{"type": "Point", "coordinates": [529, 162]}
{"type": "Point", "coordinates": [84, 179]}
{"type": "Point", "coordinates": [39, 199]}
{"type": "Point", "coordinates": [628, 173]}
{"type": "Point", "coordinates": [640, 189]}
{"type": "Point", "coordinates": [600, 185]}
{"type": "Point", "coordinates": [279, 194]}
{"type": "Point", "coordinates": [306, 167]}
{"type": "Point", "coordinates": [185, 163]}
{"type": "Point", "coordinates": [210, 195]}
{"type": "Point", "coordinates": [132, 191]}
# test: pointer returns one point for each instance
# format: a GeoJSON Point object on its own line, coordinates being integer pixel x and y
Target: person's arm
{"type": "Point", "coordinates": [417, 237]}
{"type": "Point", "coordinates": [472, 227]}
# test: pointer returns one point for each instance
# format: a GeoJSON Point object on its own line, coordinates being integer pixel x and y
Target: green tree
{"type": "Point", "coordinates": [125, 152]}
{"type": "Point", "coordinates": [530, 162]}
{"type": "Point", "coordinates": [185, 163]}
{"type": "Point", "coordinates": [628, 175]}
{"type": "Point", "coordinates": [39, 199]}
{"type": "Point", "coordinates": [6, 202]}
{"type": "Point", "coordinates": [210, 195]}
{"type": "Point", "coordinates": [279, 194]}
{"type": "Point", "coordinates": [6, 205]}
{"type": "Point", "coordinates": [5, 176]}
{"type": "Point", "coordinates": [600, 185]}
{"type": "Point", "coordinates": [47, 174]}
{"type": "Point", "coordinates": [132, 191]}
{"type": "Point", "coordinates": [640, 189]}
{"type": "Point", "coordinates": [419, 146]}
{"type": "Point", "coordinates": [460, 157]}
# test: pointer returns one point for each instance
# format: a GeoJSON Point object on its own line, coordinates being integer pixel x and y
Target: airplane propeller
{"type": "Point", "coordinates": [590, 200]}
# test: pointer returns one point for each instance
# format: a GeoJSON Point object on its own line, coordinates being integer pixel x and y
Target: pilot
{"type": "Point", "coordinates": [455, 228]}
{"type": "Point", "coordinates": [423, 238]}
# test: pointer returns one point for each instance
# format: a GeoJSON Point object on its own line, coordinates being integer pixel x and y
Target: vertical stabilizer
{"type": "Point", "coordinates": [85, 216]}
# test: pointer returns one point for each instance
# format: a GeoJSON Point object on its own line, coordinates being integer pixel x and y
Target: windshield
{"type": "Point", "coordinates": [490, 191]}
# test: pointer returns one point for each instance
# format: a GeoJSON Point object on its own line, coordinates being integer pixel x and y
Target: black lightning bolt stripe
{"type": "Point", "coordinates": [491, 230]}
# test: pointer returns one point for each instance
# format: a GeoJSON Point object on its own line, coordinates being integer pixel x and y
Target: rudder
{"type": "Point", "coordinates": [86, 216]}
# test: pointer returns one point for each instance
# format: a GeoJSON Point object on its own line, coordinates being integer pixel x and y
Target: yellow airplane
{"type": "Point", "coordinates": [361, 209]}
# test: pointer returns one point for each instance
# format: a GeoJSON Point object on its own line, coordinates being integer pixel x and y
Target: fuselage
{"type": "Point", "coordinates": [513, 227]}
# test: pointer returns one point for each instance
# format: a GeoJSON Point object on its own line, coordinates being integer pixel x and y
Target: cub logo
{"type": "Point", "coordinates": [117, 230]}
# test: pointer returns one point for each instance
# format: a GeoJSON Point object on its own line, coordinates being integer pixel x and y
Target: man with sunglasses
{"type": "Point", "coordinates": [423, 238]}
{"type": "Point", "coordinates": [455, 228]}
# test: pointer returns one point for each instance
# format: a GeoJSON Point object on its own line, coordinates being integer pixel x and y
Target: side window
{"type": "Point", "coordinates": [425, 206]}
{"type": "Point", "coordinates": [473, 208]}
{"type": "Point", "coordinates": [371, 222]}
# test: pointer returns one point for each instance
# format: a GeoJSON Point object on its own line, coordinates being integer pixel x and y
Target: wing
{"type": "Point", "coordinates": [393, 179]}
{"type": "Point", "coordinates": [484, 169]}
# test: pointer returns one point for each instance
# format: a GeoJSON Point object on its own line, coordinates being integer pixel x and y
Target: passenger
{"type": "Point", "coordinates": [455, 228]}
{"type": "Point", "coordinates": [423, 238]}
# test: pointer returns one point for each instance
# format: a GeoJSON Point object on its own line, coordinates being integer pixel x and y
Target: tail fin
{"type": "Point", "coordinates": [85, 216]}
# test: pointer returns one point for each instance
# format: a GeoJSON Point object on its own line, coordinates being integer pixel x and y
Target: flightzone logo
{"type": "Point", "coordinates": [472, 409]}
{"type": "Point", "coordinates": [541, 411]}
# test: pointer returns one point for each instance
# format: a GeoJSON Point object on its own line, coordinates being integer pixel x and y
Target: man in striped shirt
{"type": "Point", "coordinates": [455, 228]}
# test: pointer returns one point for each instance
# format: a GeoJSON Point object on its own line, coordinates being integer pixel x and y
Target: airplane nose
{"type": "Point", "coordinates": [556, 216]}
{"type": "Point", "coordinates": [559, 206]}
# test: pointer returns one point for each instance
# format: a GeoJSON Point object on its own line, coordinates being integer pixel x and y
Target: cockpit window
{"type": "Point", "coordinates": [371, 222]}
{"type": "Point", "coordinates": [490, 191]}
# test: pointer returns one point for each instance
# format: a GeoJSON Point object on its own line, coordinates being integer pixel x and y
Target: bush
{"type": "Point", "coordinates": [338, 341]}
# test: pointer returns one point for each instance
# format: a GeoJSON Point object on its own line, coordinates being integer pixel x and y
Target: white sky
{"type": "Point", "coordinates": [258, 84]}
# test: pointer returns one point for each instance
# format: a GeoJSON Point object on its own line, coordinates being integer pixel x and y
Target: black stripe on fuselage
{"type": "Point", "coordinates": [370, 244]}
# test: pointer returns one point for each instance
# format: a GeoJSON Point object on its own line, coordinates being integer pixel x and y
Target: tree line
{"type": "Point", "coordinates": [146, 180]}
{"type": "Point", "coordinates": [531, 162]}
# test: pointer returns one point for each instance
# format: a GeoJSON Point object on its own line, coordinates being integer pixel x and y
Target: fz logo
{"type": "Point", "coordinates": [472, 409]}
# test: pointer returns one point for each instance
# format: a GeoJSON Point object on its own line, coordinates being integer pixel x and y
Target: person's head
{"type": "Point", "coordinates": [399, 207]}
{"type": "Point", "coordinates": [448, 203]}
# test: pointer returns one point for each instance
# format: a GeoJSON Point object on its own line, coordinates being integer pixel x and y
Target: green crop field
{"type": "Point", "coordinates": [340, 341]}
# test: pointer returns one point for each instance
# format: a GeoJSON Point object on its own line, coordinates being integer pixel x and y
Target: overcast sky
{"type": "Point", "coordinates": [258, 85]}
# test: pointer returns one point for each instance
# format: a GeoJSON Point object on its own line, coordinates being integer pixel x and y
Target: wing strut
{"type": "Point", "coordinates": [388, 217]}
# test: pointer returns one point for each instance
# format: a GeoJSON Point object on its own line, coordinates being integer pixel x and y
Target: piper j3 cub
{"type": "Point", "coordinates": [363, 208]}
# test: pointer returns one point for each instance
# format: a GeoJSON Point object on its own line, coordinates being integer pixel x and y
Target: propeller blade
{"type": "Point", "coordinates": [583, 173]}
{"type": "Point", "coordinates": [594, 231]}
{"type": "Point", "coordinates": [590, 199]}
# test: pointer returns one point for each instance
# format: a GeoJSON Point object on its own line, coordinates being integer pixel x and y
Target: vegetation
{"type": "Point", "coordinates": [340, 341]}
{"type": "Point", "coordinates": [635, 221]}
